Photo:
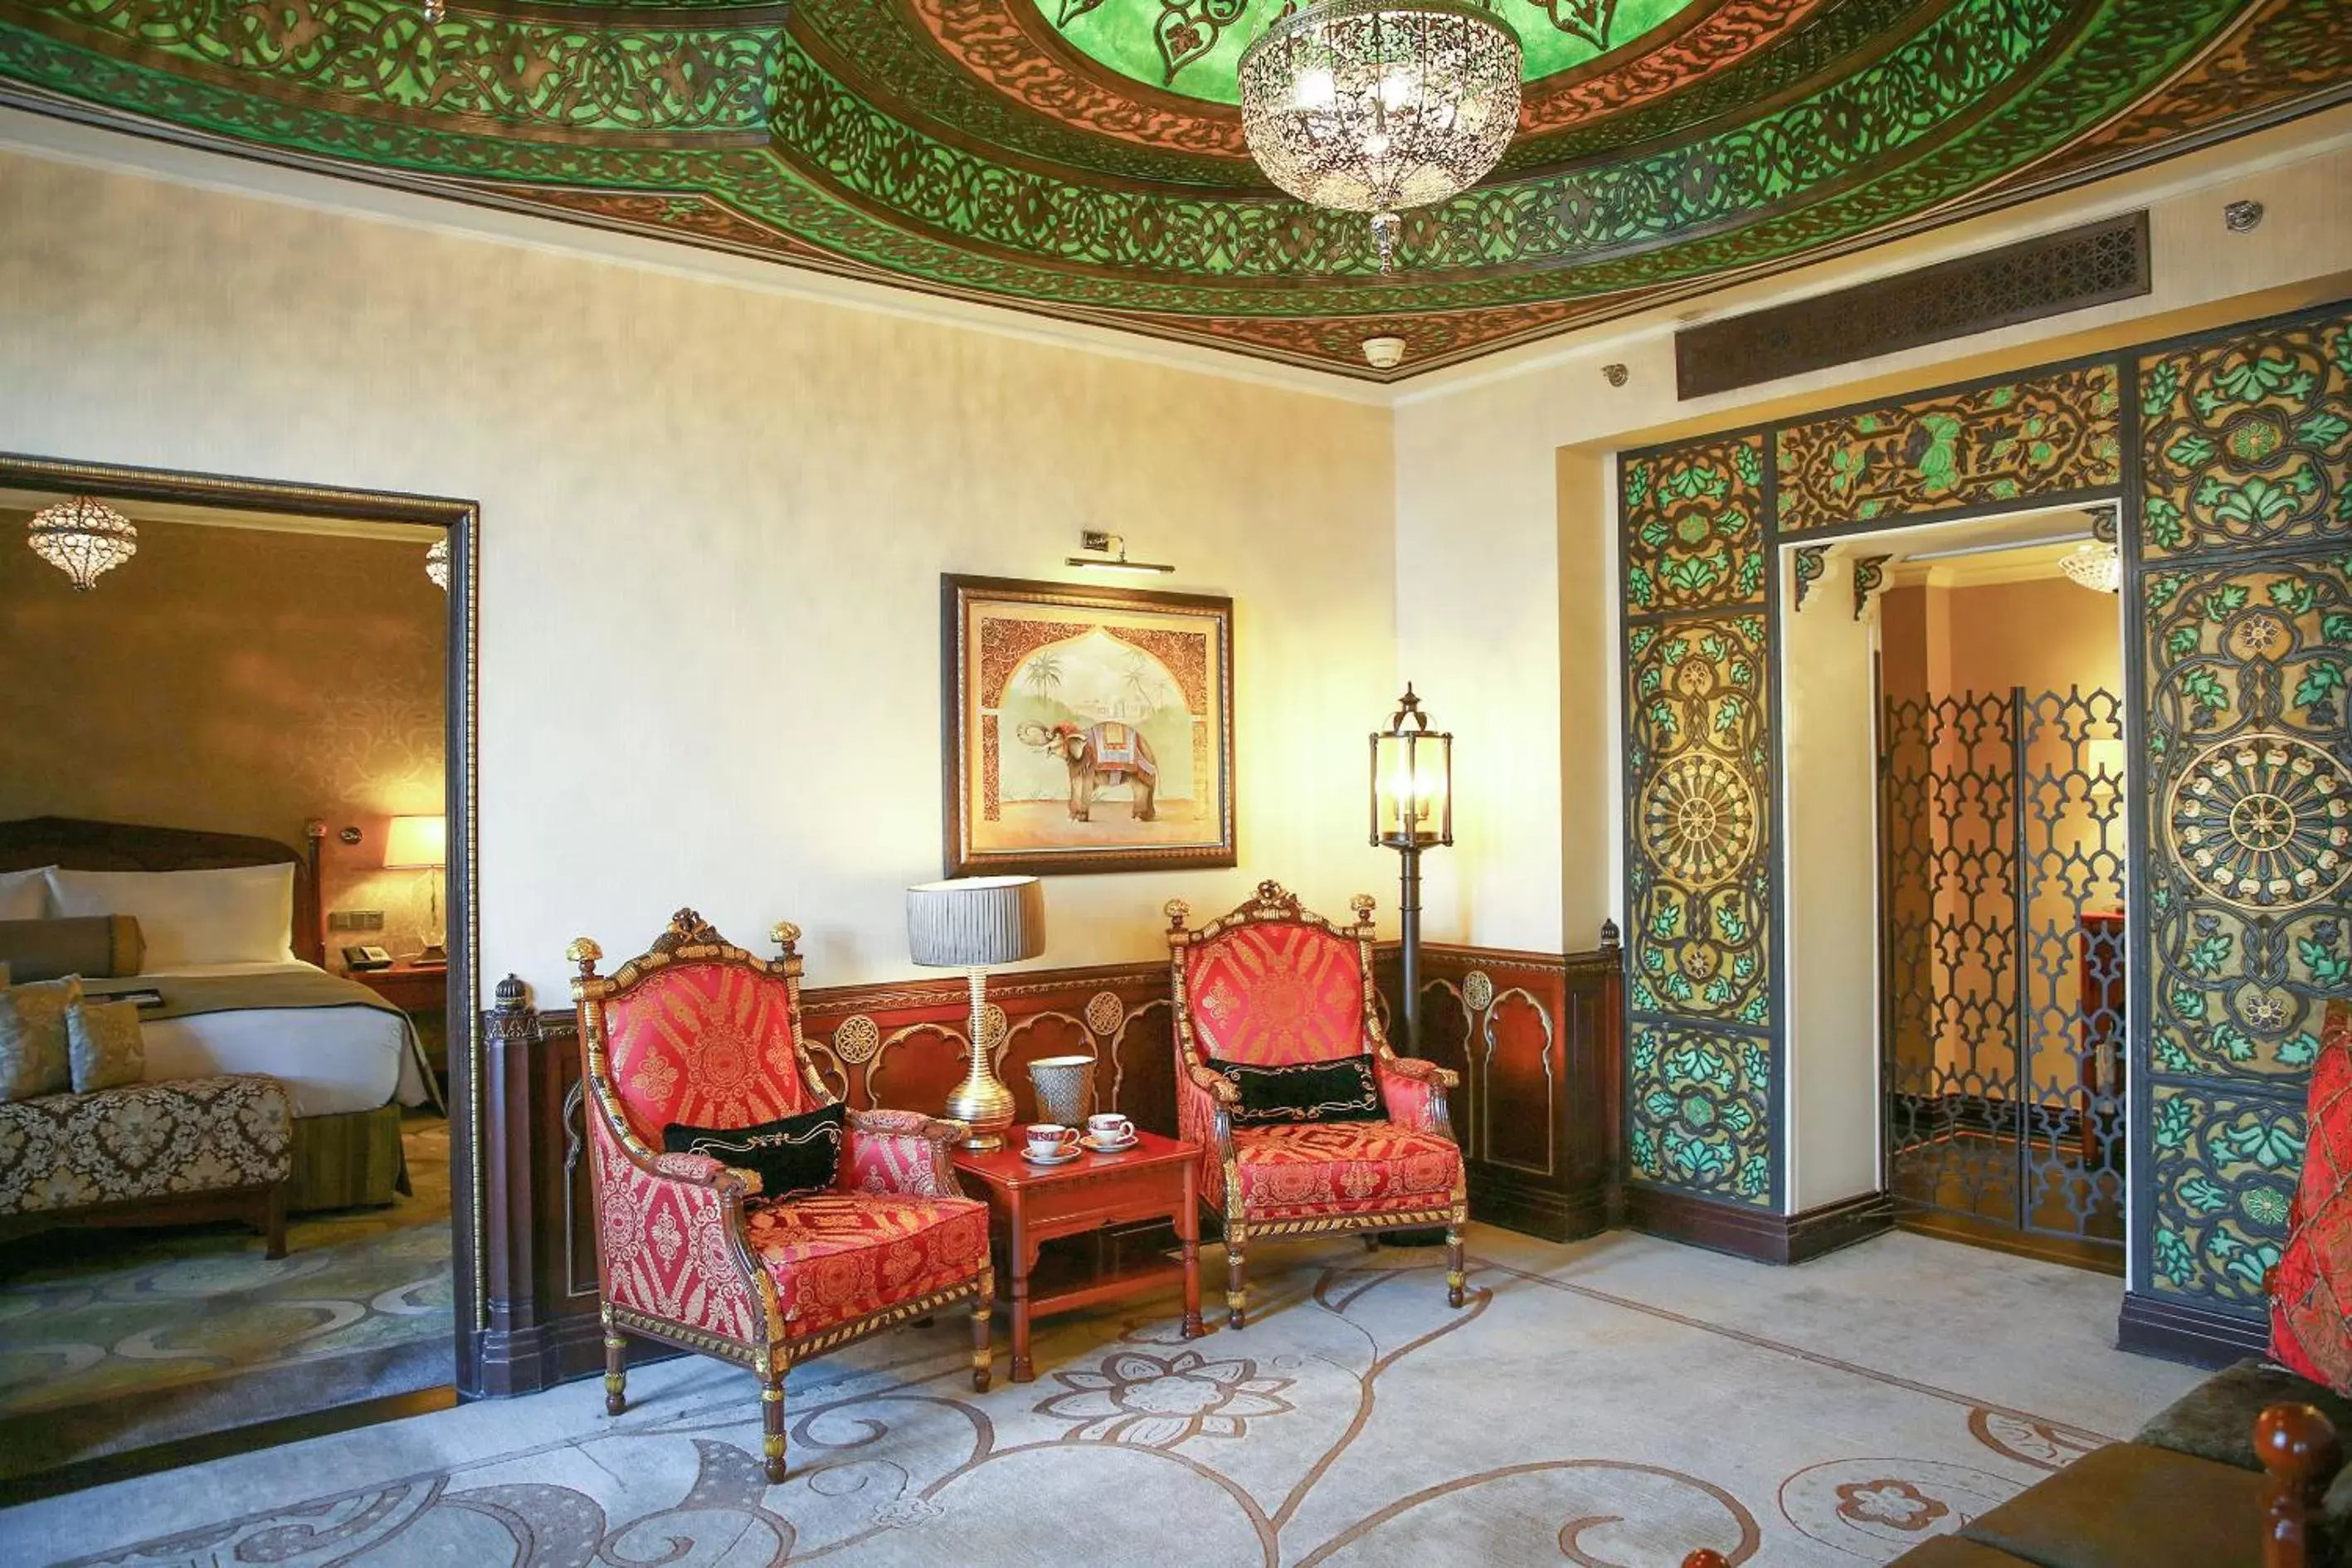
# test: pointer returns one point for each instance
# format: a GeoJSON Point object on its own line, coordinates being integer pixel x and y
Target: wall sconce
{"type": "Point", "coordinates": [1413, 810]}
{"type": "Point", "coordinates": [1092, 540]}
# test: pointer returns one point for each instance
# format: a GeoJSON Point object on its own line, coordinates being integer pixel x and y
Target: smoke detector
{"type": "Point", "coordinates": [1385, 354]}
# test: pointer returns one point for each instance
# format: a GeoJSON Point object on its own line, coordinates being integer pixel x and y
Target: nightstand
{"type": "Point", "coordinates": [422, 992]}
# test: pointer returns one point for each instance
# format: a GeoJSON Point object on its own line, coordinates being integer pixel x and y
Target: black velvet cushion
{"type": "Point", "coordinates": [793, 1155]}
{"type": "Point", "coordinates": [1345, 1091]}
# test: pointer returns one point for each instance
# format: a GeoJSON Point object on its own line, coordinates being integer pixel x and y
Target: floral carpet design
{"type": "Point", "coordinates": [1609, 1405]}
{"type": "Point", "coordinates": [91, 1317]}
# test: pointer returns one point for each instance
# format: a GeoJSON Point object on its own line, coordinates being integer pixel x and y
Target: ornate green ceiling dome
{"type": "Point", "coordinates": [1193, 46]}
{"type": "Point", "coordinates": [1084, 161]}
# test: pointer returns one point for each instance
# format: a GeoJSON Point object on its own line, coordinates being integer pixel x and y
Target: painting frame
{"type": "Point", "coordinates": [970, 715]}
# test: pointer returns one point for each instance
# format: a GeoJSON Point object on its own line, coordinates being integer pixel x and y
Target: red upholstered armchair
{"type": "Point", "coordinates": [1273, 985]}
{"type": "Point", "coordinates": [688, 1251]}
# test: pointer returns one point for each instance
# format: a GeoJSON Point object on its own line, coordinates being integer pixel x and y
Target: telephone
{"type": "Point", "coordinates": [366, 958]}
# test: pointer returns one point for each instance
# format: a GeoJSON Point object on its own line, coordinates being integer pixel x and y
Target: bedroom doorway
{"type": "Point", "coordinates": [259, 737]}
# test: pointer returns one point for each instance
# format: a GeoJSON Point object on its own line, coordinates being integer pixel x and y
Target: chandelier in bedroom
{"type": "Point", "coordinates": [82, 537]}
{"type": "Point", "coordinates": [1374, 106]}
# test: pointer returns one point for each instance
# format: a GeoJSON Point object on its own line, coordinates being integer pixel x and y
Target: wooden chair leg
{"type": "Point", "coordinates": [772, 1418]}
{"type": "Point", "coordinates": [273, 1221]}
{"type": "Point", "coordinates": [1372, 1239]}
{"type": "Point", "coordinates": [616, 1367]}
{"type": "Point", "coordinates": [1236, 1254]}
{"type": "Point", "coordinates": [1456, 1279]}
{"type": "Point", "coordinates": [983, 1343]}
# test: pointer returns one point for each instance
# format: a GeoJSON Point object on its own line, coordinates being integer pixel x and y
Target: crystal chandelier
{"type": "Point", "coordinates": [1373, 106]}
{"type": "Point", "coordinates": [2097, 566]}
{"type": "Point", "coordinates": [436, 563]}
{"type": "Point", "coordinates": [84, 538]}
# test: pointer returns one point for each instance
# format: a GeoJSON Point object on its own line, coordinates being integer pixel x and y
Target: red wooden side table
{"type": "Point", "coordinates": [1029, 1204]}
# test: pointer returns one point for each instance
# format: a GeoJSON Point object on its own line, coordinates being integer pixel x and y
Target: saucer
{"type": "Point", "coordinates": [1099, 1147]}
{"type": "Point", "coordinates": [1051, 1160]}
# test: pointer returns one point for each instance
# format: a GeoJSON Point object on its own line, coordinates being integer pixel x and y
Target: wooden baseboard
{"type": "Point", "coordinates": [501, 1361]}
{"type": "Point", "coordinates": [2181, 1331]}
{"type": "Point", "coordinates": [1759, 1234]}
{"type": "Point", "coordinates": [1535, 1209]}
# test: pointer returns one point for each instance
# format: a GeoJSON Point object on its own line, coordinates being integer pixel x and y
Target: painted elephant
{"type": "Point", "coordinates": [1098, 757]}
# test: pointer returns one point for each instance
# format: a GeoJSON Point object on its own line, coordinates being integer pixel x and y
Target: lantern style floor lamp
{"type": "Point", "coordinates": [970, 923]}
{"type": "Point", "coordinates": [1413, 810]}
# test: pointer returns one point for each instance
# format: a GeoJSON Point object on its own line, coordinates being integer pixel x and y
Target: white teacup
{"type": "Point", "coordinates": [1107, 1126]}
{"type": "Point", "coordinates": [1050, 1140]}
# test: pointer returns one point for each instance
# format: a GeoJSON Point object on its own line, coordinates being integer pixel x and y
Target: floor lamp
{"type": "Point", "coordinates": [1413, 810]}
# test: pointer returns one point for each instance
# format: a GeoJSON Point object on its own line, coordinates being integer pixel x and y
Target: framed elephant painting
{"type": "Point", "coordinates": [1086, 729]}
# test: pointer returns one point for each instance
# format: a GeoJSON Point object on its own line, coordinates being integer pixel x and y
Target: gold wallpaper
{"type": "Point", "coordinates": [235, 681]}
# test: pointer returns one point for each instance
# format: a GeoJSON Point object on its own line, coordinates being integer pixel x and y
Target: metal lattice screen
{"type": "Point", "coordinates": [2003, 836]}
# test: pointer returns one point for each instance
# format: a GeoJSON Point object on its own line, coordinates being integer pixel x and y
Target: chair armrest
{"type": "Point", "coordinates": [705, 1278]}
{"type": "Point", "coordinates": [1414, 1092]}
{"type": "Point", "coordinates": [1215, 1085]}
{"type": "Point", "coordinates": [901, 1151]}
{"type": "Point", "coordinates": [703, 1171]}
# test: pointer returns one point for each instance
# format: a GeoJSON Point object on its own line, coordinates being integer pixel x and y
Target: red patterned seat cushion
{"type": "Point", "coordinates": [1274, 993]}
{"type": "Point", "coordinates": [2311, 1288]}
{"type": "Point", "coordinates": [1343, 1168]}
{"type": "Point", "coordinates": [709, 1045]}
{"type": "Point", "coordinates": [840, 1256]}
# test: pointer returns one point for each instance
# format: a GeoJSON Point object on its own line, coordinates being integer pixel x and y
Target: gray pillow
{"type": "Point", "coordinates": [96, 947]}
{"type": "Point", "coordinates": [34, 1058]}
{"type": "Point", "coordinates": [103, 1042]}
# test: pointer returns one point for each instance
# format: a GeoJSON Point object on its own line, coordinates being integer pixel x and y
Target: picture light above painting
{"type": "Point", "coordinates": [1086, 730]}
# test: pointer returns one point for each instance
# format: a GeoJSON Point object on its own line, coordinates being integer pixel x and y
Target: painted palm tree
{"type": "Point", "coordinates": [1044, 676]}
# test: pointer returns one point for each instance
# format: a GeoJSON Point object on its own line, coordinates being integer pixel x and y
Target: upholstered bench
{"type": "Point", "coordinates": [173, 1153]}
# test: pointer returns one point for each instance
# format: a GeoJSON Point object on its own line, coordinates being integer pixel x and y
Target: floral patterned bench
{"type": "Point", "coordinates": [150, 1154]}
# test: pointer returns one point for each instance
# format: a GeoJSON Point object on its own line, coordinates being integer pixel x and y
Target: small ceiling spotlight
{"type": "Point", "coordinates": [1385, 354]}
{"type": "Point", "coordinates": [2241, 217]}
{"type": "Point", "coordinates": [1090, 539]}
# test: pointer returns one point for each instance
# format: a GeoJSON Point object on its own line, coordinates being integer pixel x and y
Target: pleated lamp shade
{"type": "Point", "coordinates": [972, 922]}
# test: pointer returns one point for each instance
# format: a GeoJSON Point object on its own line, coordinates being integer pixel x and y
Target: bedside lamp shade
{"type": "Point", "coordinates": [972, 922]}
{"type": "Point", "coordinates": [968, 923]}
{"type": "Point", "coordinates": [416, 844]}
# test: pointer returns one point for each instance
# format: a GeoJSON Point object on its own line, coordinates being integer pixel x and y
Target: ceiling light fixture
{"type": "Point", "coordinates": [1383, 353]}
{"type": "Point", "coordinates": [82, 537]}
{"type": "Point", "coordinates": [2097, 565]}
{"type": "Point", "coordinates": [1375, 106]}
{"type": "Point", "coordinates": [436, 563]}
{"type": "Point", "coordinates": [1092, 540]}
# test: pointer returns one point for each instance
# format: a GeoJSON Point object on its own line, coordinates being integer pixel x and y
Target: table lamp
{"type": "Point", "coordinates": [969, 924]}
{"type": "Point", "coordinates": [422, 843]}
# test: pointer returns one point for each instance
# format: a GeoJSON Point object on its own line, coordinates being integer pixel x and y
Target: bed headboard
{"type": "Point", "coordinates": [83, 845]}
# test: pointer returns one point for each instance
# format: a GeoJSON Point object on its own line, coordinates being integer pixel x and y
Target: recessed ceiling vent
{"type": "Point", "coordinates": [2072, 270]}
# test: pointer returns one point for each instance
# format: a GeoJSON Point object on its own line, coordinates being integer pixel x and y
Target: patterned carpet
{"type": "Point", "coordinates": [1617, 1402]}
{"type": "Point", "coordinates": [112, 1340]}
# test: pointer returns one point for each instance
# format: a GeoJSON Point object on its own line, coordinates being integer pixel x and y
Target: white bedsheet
{"type": "Point", "coordinates": [332, 1059]}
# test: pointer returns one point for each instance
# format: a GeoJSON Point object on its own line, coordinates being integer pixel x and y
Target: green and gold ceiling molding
{"type": "Point", "coordinates": [1084, 158]}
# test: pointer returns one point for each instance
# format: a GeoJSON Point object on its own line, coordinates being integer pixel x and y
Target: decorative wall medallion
{"type": "Point", "coordinates": [1105, 1013]}
{"type": "Point", "coordinates": [2264, 821]}
{"type": "Point", "coordinates": [1698, 819]}
{"type": "Point", "coordinates": [1478, 990]}
{"type": "Point", "coordinates": [855, 1039]}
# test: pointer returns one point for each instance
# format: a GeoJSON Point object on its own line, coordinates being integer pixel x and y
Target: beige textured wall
{"type": "Point", "coordinates": [233, 680]}
{"type": "Point", "coordinates": [714, 520]}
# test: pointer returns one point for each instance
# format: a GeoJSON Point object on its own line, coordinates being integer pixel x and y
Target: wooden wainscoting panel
{"type": "Point", "coordinates": [1535, 1038]}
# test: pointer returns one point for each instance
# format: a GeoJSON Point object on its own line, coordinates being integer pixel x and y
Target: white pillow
{"type": "Point", "coordinates": [24, 895]}
{"type": "Point", "coordinates": [240, 914]}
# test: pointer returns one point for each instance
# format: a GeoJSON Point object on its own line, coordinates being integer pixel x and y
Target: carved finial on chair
{"type": "Point", "coordinates": [584, 952]}
{"type": "Point", "coordinates": [1363, 904]}
{"type": "Point", "coordinates": [688, 929]}
{"type": "Point", "coordinates": [1270, 892]}
{"type": "Point", "coordinates": [1177, 911]}
{"type": "Point", "coordinates": [2298, 1446]}
{"type": "Point", "coordinates": [1706, 1557]}
{"type": "Point", "coordinates": [783, 933]}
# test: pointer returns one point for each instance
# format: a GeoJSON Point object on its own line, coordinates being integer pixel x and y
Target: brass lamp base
{"type": "Point", "coordinates": [981, 1102]}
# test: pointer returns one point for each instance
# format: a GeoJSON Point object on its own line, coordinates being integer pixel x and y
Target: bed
{"type": "Point", "coordinates": [350, 1062]}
